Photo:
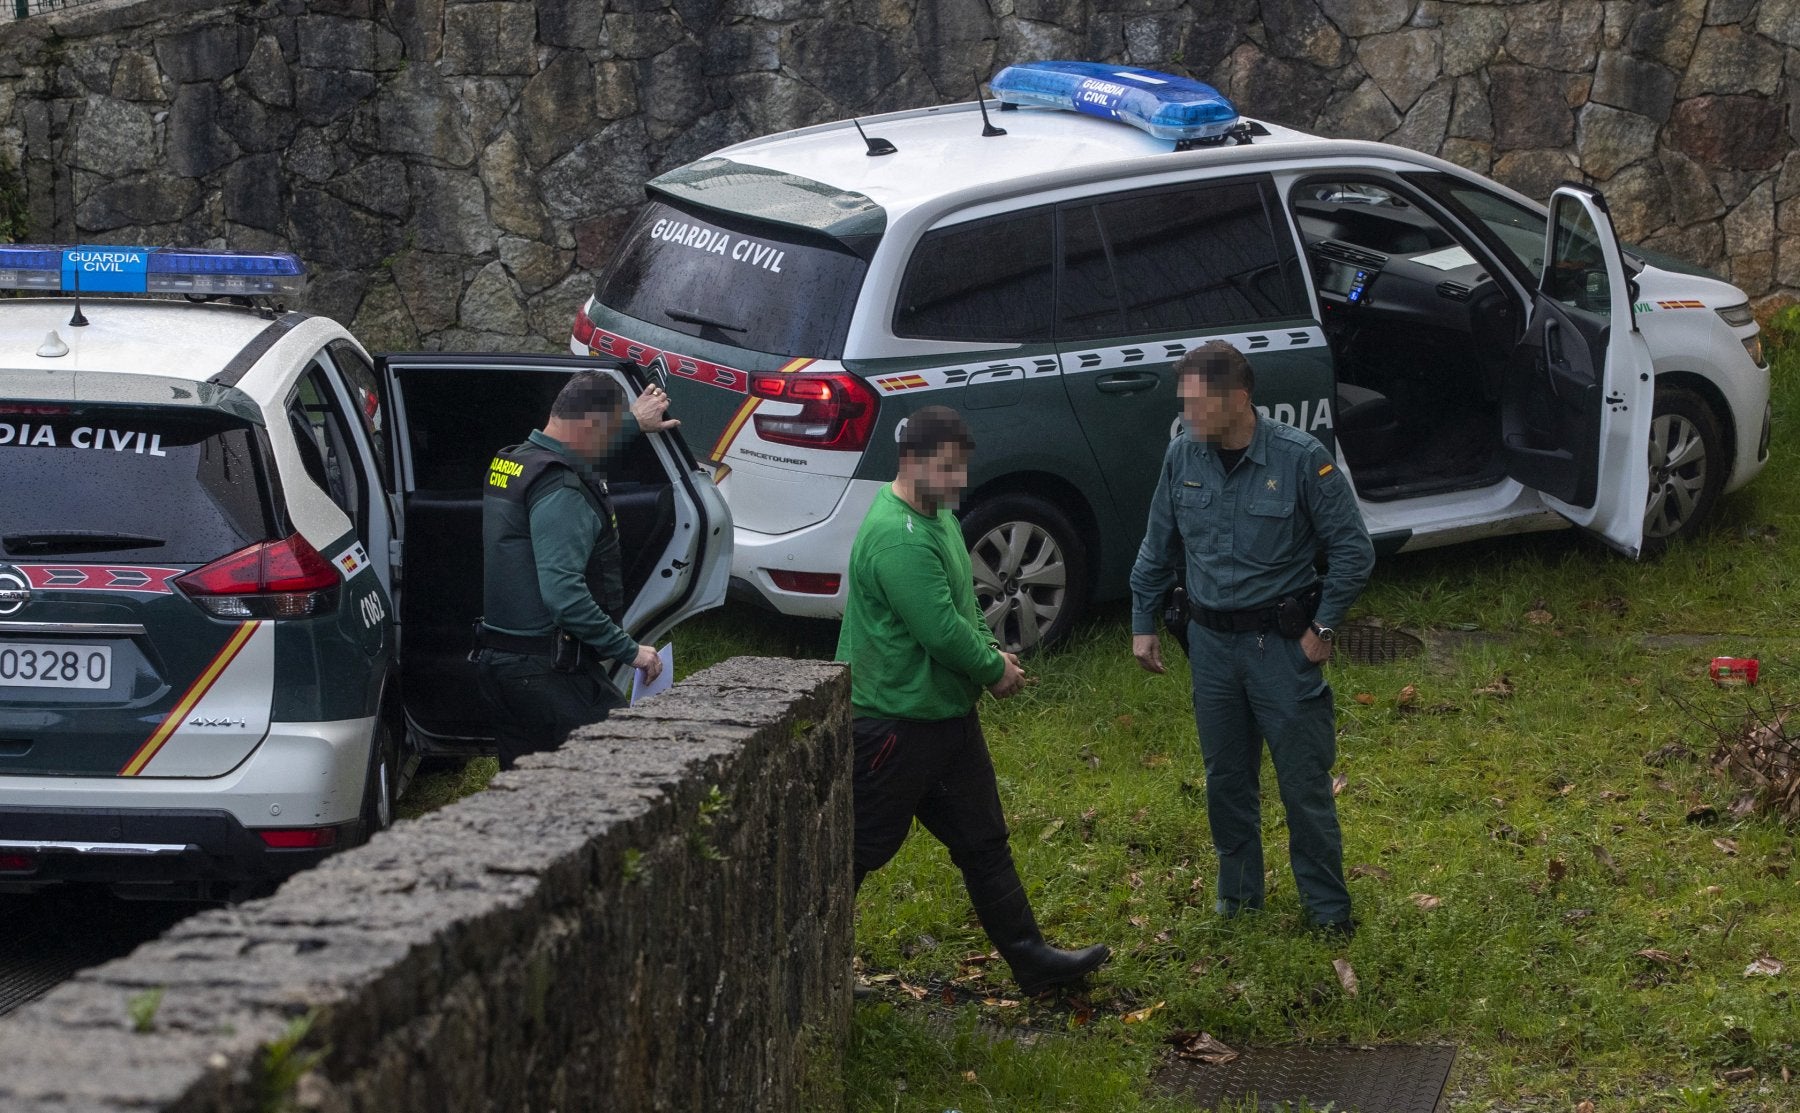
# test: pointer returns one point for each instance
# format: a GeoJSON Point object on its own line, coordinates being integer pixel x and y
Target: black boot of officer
{"type": "Point", "coordinates": [1036, 964]}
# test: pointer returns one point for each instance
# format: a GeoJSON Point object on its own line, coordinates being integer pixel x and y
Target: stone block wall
{"type": "Point", "coordinates": [454, 171]}
{"type": "Point", "coordinates": [655, 917]}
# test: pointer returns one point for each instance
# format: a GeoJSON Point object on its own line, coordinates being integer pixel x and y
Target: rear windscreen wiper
{"type": "Point", "coordinates": [77, 541]}
{"type": "Point", "coordinates": [704, 322]}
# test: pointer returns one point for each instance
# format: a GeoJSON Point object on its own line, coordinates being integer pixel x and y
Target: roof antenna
{"type": "Point", "coordinates": [877, 145]}
{"type": "Point", "coordinates": [77, 321]}
{"type": "Point", "coordinates": [988, 130]}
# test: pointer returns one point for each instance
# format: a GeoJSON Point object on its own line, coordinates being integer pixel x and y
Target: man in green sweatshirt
{"type": "Point", "coordinates": [919, 656]}
{"type": "Point", "coordinates": [552, 570]}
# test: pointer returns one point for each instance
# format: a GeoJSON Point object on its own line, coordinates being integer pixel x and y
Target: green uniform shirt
{"type": "Point", "coordinates": [564, 529]}
{"type": "Point", "coordinates": [1251, 536]}
{"type": "Point", "coordinates": [912, 634]}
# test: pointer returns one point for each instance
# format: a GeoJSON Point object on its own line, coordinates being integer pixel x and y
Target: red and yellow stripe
{"type": "Point", "coordinates": [195, 693]}
{"type": "Point", "coordinates": [1686, 303]}
{"type": "Point", "coordinates": [736, 424]}
{"type": "Point", "coordinates": [901, 382]}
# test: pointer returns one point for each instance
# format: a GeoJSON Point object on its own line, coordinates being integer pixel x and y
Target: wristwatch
{"type": "Point", "coordinates": [1324, 633]}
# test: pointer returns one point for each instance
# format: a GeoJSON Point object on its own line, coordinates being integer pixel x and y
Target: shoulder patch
{"type": "Point", "coordinates": [1327, 469]}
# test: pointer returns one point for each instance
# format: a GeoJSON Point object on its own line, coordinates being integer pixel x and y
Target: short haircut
{"type": "Point", "coordinates": [929, 431]}
{"type": "Point", "coordinates": [1220, 366]}
{"type": "Point", "coordinates": [588, 392]}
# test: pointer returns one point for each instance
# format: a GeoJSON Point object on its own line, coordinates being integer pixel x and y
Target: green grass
{"type": "Point", "coordinates": [1555, 852]}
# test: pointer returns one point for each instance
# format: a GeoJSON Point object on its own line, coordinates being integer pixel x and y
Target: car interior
{"type": "Point", "coordinates": [456, 419]}
{"type": "Point", "coordinates": [1422, 335]}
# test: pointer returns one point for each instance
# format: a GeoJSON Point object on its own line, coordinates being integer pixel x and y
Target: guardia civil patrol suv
{"type": "Point", "coordinates": [1480, 364]}
{"type": "Point", "coordinates": [239, 563]}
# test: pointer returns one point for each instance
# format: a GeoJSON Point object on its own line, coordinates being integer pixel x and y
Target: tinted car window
{"type": "Point", "coordinates": [1089, 303]}
{"type": "Point", "coordinates": [734, 281]}
{"type": "Point", "coordinates": [365, 390]}
{"type": "Point", "coordinates": [129, 485]}
{"type": "Point", "coordinates": [1201, 256]}
{"type": "Point", "coordinates": [988, 280]}
{"type": "Point", "coordinates": [323, 437]}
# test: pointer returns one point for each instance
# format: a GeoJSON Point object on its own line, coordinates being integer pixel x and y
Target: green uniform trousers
{"type": "Point", "coordinates": [1250, 688]}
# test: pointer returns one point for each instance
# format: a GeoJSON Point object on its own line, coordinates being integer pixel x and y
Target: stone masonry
{"type": "Point", "coordinates": [454, 171]}
{"type": "Point", "coordinates": [656, 917]}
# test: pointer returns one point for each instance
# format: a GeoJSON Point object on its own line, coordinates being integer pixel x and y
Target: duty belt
{"type": "Point", "coordinates": [534, 645]}
{"type": "Point", "coordinates": [1254, 619]}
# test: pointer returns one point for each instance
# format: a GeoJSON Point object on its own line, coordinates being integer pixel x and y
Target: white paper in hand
{"type": "Point", "coordinates": [641, 689]}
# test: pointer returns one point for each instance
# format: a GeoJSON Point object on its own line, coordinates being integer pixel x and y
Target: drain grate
{"type": "Point", "coordinates": [1391, 1079]}
{"type": "Point", "coordinates": [1377, 645]}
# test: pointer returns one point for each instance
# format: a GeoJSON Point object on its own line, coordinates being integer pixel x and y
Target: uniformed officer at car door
{"type": "Point", "coordinates": [553, 582]}
{"type": "Point", "coordinates": [1252, 502]}
{"type": "Point", "coordinates": [919, 655]}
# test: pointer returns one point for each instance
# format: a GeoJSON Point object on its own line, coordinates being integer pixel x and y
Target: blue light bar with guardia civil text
{"type": "Point", "coordinates": [112, 269]}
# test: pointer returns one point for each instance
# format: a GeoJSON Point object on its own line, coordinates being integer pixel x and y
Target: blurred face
{"type": "Point", "coordinates": [588, 435]}
{"type": "Point", "coordinates": [938, 480]}
{"type": "Point", "coordinates": [1207, 412]}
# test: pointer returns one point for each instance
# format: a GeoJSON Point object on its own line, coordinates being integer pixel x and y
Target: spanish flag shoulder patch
{"type": "Point", "coordinates": [1327, 469]}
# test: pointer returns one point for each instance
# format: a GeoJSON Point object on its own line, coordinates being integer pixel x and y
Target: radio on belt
{"type": "Point", "coordinates": [1166, 106]}
{"type": "Point", "coordinates": [115, 269]}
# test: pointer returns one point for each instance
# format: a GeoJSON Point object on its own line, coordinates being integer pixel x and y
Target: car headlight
{"type": "Point", "coordinates": [1737, 316]}
{"type": "Point", "coordinates": [1753, 345]}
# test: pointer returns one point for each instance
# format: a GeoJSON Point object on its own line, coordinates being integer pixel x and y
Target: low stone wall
{"type": "Point", "coordinates": [657, 916]}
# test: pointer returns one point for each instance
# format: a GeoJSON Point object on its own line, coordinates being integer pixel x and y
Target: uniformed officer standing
{"type": "Point", "coordinates": [1253, 501]}
{"type": "Point", "coordinates": [919, 655]}
{"type": "Point", "coordinates": [553, 582]}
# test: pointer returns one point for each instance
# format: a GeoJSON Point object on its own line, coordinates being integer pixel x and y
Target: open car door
{"type": "Point", "coordinates": [1576, 401]}
{"type": "Point", "coordinates": [451, 413]}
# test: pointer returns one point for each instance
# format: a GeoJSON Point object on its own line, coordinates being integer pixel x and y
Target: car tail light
{"type": "Point", "coordinates": [299, 838]}
{"type": "Point", "coordinates": [271, 579]}
{"type": "Point", "coordinates": [809, 583]}
{"type": "Point", "coordinates": [17, 863]}
{"type": "Point", "coordinates": [584, 328]}
{"type": "Point", "coordinates": [837, 411]}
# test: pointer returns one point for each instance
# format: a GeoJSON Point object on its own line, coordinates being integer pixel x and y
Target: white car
{"type": "Point", "coordinates": [802, 293]}
{"type": "Point", "coordinates": [239, 563]}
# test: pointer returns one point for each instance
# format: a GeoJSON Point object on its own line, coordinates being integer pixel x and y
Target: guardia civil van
{"type": "Point", "coordinates": [1480, 364]}
{"type": "Point", "coordinates": [239, 562]}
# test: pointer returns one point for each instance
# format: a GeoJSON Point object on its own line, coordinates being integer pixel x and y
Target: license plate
{"type": "Point", "coordinates": [55, 665]}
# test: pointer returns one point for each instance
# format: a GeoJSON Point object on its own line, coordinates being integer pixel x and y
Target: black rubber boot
{"type": "Point", "coordinates": [1036, 965]}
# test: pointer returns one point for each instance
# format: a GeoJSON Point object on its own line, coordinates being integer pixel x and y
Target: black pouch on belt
{"type": "Point", "coordinates": [567, 656]}
{"type": "Point", "coordinates": [1294, 614]}
{"type": "Point", "coordinates": [1175, 617]}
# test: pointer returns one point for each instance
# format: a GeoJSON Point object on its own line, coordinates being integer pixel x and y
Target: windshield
{"type": "Point", "coordinates": [1514, 229]}
{"type": "Point", "coordinates": [734, 281]}
{"type": "Point", "coordinates": [137, 485]}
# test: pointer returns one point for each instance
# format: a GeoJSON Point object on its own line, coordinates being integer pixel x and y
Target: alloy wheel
{"type": "Point", "coordinates": [1021, 582]}
{"type": "Point", "coordinates": [1677, 474]}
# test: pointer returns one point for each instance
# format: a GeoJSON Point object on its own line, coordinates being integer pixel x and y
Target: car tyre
{"type": "Point", "coordinates": [381, 786]}
{"type": "Point", "coordinates": [1030, 565]}
{"type": "Point", "coordinates": [1687, 467]}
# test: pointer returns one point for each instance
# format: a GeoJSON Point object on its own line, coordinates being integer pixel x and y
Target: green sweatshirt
{"type": "Point", "coordinates": [914, 639]}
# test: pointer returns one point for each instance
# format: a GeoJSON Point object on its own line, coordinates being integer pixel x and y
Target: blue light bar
{"type": "Point", "coordinates": [112, 269]}
{"type": "Point", "coordinates": [1166, 106]}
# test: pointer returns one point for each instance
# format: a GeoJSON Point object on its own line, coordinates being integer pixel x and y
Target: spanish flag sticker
{"type": "Point", "coordinates": [1327, 469]}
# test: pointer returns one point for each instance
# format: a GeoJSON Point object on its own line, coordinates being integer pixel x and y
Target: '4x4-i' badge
{"type": "Point", "coordinates": [15, 591]}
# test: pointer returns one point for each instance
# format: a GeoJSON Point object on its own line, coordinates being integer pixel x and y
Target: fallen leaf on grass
{"type": "Point", "coordinates": [1202, 1048]}
{"type": "Point", "coordinates": [1669, 751]}
{"type": "Point", "coordinates": [1712, 890]}
{"type": "Point", "coordinates": [1584, 1107]}
{"type": "Point", "coordinates": [1407, 695]}
{"type": "Point", "coordinates": [979, 959]}
{"type": "Point", "coordinates": [1741, 1074]}
{"type": "Point", "coordinates": [1744, 806]}
{"type": "Point", "coordinates": [1426, 901]}
{"type": "Point", "coordinates": [1050, 831]}
{"type": "Point", "coordinates": [1556, 869]}
{"type": "Point", "coordinates": [917, 993]}
{"type": "Point", "coordinates": [1139, 921]}
{"type": "Point", "coordinates": [1728, 846]}
{"type": "Point", "coordinates": [1154, 761]}
{"type": "Point", "coordinates": [1501, 687]}
{"type": "Point", "coordinates": [1346, 975]}
{"type": "Point", "coordinates": [947, 995]}
{"type": "Point", "coordinates": [1142, 1014]}
{"type": "Point", "coordinates": [1124, 721]}
{"type": "Point", "coordinates": [1376, 872]}
{"type": "Point", "coordinates": [1539, 617]}
{"type": "Point", "coordinates": [1081, 1016]}
{"type": "Point", "coordinates": [1609, 794]}
{"type": "Point", "coordinates": [1658, 956]}
{"type": "Point", "coordinates": [1339, 783]}
{"type": "Point", "coordinates": [970, 1077]}
{"type": "Point", "coordinates": [1702, 813]}
{"type": "Point", "coordinates": [1612, 867]}
{"type": "Point", "coordinates": [1364, 698]}
{"type": "Point", "coordinates": [1764, 967]}
{"type": "Point", "coordinates": [1576, 915]}
{"type": "Point", "coordinates": [1000, 1002]}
